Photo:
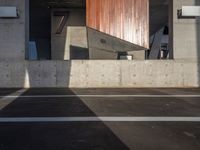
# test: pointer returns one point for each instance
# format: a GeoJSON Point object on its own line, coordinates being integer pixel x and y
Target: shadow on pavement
{"type": "Point", "coordinates": [54, 136]}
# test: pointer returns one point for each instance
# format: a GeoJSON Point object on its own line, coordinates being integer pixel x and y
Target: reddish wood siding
{"type": "Point", "coordinates": [125, 19]}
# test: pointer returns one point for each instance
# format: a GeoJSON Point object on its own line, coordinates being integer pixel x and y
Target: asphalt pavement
{"type": "Point", "coordinates": [99, 119]}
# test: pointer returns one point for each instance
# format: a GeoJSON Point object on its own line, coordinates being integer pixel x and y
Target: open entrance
{"type": "Point", "coordinates": [160, 30]}
{"type": "Point", "coordinates": [49, 22]}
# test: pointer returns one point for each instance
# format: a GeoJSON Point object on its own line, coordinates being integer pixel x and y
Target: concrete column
{"type": "Point", "coordinates": [14, 32]}
{"type": "Point", "coordinates": [186, 33]}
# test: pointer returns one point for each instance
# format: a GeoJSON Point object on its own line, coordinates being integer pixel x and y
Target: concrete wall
{"type": "Point", "coordinates": [76, 40]}
{"type": "Point", "coordinates": [186, 32]}
{"type": "Point", "coordinates": [96, 73]}
{"type": "Point", "coordinates": [13, 32]}
{"type": "Point", "coordinates": [16, 72]}
{"type": "Point", "coordinates": [104, 46]}
{"type": "Point", "coordinates": [60, 43]}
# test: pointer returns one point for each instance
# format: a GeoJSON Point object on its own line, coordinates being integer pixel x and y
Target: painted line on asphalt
{"type": "Point", "coordinates": [100, 96]}
{"type": "Point", "coordinates": [7, 101]}
{"type": "Point", "coordinates": [98, 119]}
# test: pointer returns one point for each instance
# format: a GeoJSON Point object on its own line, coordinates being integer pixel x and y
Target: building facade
{"type": "Point", "coordinates": [84, 43]}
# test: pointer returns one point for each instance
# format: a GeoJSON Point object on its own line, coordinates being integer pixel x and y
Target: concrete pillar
{"type": "Point", "coordinates": [14, 32]}
{"type": "Point", "coordinates": [186, 32]}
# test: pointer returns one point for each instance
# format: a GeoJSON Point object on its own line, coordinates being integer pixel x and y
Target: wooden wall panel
{"type": "Point", "coordinates": [125, 19]}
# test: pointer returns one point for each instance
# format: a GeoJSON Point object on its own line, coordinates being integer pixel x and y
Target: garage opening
{"type": "Point", "coordinates": [160, 30]}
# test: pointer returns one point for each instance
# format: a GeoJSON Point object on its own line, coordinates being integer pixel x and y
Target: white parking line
{"type": "Point", "coordinates": [98, 119]}
{"type": "Point", "coordinates": [7, 101]}
{"type": "Point", "coordinates": [100, 96]}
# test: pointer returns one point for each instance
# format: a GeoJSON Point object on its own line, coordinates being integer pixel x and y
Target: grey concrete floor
{"type": "Point", "coordinates": [99, 135]}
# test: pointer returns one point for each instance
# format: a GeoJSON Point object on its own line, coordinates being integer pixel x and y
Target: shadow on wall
{"type": "Point", "coordinates": [54, 72]}
{"type": "Point", "coordinates": [57, 72]}
{"type": "Point", "coordinates": [47, 74]}
{"type": "Point", "coordinates": [51, 136]}
{"type": "Point", "coordinates": [79, 53]}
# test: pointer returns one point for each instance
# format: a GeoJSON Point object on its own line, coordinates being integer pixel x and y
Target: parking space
{"type": "Point", "coordinates": [100, 119]}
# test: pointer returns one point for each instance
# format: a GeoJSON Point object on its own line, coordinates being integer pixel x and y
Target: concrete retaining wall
{"type": "Point", "coordinates": [94, 73]}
